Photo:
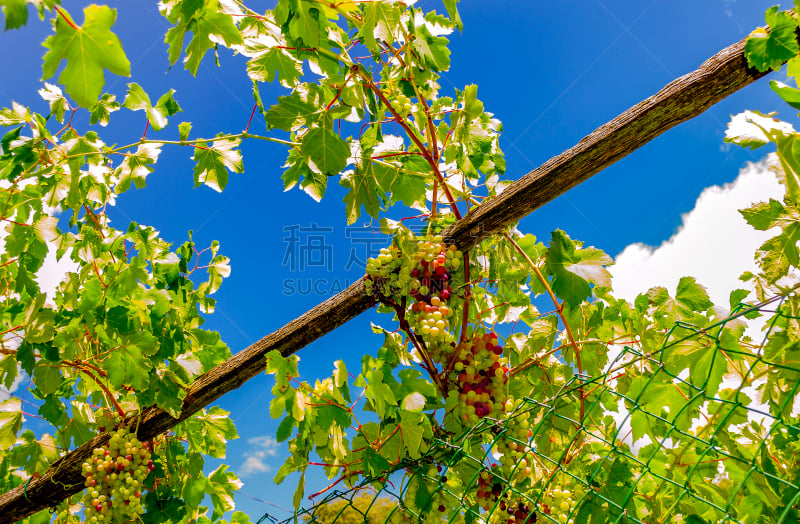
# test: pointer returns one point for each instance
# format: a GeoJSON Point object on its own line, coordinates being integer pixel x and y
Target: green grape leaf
{"type": "Point", "coordinates": [340, 374]}
{"type": "Point", "coordinates": [289, 113]}
{"type": "Point", "coordinates": [8, 370]}
{"type": "Point", "coordinates": [300, 491]}
{"type": "Point", "coordinates": [10, 422]}
{"type": "Point", "coordinates": [183, 130]}
{"type": "Point", "coordinates": [208, 25]}
{"type": "Point", "coordinates": [135, 167]}
{"type": "Point", "coordinates": [264, 67]}
{"type": "Point", "coordinates": [208, 432]}
{"type": "Point", "coordinates": [314, 184]}
{"type": "Point", "coordinates": [101, 111]}
{"type": "Point", "coordinates": [778, 253]}
{"type": "Point", "coordinates": [737, 296]}
{"type": "Point", "coordinates": [214, 160]}
{"type": "Point", "coordinates": [138, 100]}
{"type": "Point", "coordinates": [789, 156]}
{"type": "Point", "coordinates": [87, 50]}
{"type": "Point", "coordinates": [770, 49]}
{"type": "Point", "coordinates": [363, 190]}
{"type": "Point", "coordinates": [47, 378]}
{"type": "Point", "coordinates": [763, 215]}
{"type": "Point", "coordinates": [16, 13]}
{"type": "Point", "coordinates": [81, 427]}
{"type": "Point", "coordinates": [58, 104]}
{"type": "Point", "coordinates": [432, 49]}
{"type": "Point", "coordinates": [34, 456]}
{"type": "Point", "coordinates": [218, 269]}
{"type": "Point", "coordinates": [692, 295]}
{"type": "Point", "coordinates": [299, 406]}
{"type": "Point", "coordinates": [39, 321]}
{"type": "Point", "coordinates": [574, 270]}
{"type": "Point", "coordinates": [789, 94]}
{"type": "Point", "coordinates": [127, 365]}
{"type": "Point", "coordinates": [285, 428]}
{"type": "Point", "coordinates": [793, 69]}
{"type": "Point", "coordinates": [326, 150]}
{"type": "Point", "coordinates": [404, 184]}
{"type": "Point", "coordinates": [194, 490]}
{"type": "Point", "coordinates": [412, 424]}
{"type": "Point", "coordinates": [306, 24]}
{"type": "Point", "coordinates": [452, 11]}
{"type": "Point", "coordinates": [381, 21]}
{"type": "Point", "coordinates": [707, 365]}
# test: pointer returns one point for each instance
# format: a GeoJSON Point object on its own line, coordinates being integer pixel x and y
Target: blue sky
{"type": "Point", "coordinates": [551, 71]}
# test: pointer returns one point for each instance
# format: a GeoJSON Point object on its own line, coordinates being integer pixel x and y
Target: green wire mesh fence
{"type": "Point", "coordinates": [653, 441]}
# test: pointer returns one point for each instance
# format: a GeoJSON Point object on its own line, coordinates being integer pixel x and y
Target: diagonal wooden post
{"type": "Point", "coordinates": [682, 99]}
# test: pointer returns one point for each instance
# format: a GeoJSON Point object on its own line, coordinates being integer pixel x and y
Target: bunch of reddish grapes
{"type": "Point", "coordinates": [431, 287]}
{"type": "Point", "coordinates": [478, 375]}
{"type": "Point", "coordinates": [115, 476]}
{"type": "Point", "coordinates": [516, 511]}
{"type": "Point", "coordinates": [490, 490]}
{"type": "Point", "coordinates": [506, 507]}
{"type": "Point", "coordinates": [425, 274]}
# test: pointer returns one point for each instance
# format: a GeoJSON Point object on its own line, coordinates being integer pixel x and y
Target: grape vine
{"type": "Point", "coordinates": [481, 405]}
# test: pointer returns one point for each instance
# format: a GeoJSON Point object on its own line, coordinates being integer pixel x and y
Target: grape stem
{"type": "Point", "coordinates": [414, 138]}
{"type": "Point", "coordinates": [400, 310]}
{"type": "Point", "coordinates": [467, 296]}
{"type": "Point", "coordinates": [560, 311]}
{"type": "Point", "coordinates": [109, 395]}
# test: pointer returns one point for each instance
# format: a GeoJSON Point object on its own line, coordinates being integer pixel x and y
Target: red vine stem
{"type": "Point", "coordinates": [467, 295]}
{"type": "Point", "coordinates": [108, 393]}
{"type": "Point", "coordinates": [350, 474]}
{"type": "Point", "coordinates": [339, 92]}
{"type": "Point", "coordinates": [9, 262]}
{"type": "Point", "coordinates": [12, 329]}
{"type": "Point", "coordinates": [252, 114]}
{"type": "Point", "coordinates": [16, 223]}
{"type": "Point", "coordinates": [427, 362]}
{"type": "Point", "coordinates": [559, 310]}
{"type": "Point", "coordinates": [66, 18]}
{"type": "Point", "coordinates": [431, 128]}
{"type": "Point", "coordinates": [414, 138]}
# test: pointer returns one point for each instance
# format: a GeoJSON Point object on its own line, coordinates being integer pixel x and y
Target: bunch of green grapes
{"type": "Point", "coordinates": [384, 272]}
{"type": "Point", "coordinates": [478, 378]}
{"type": "Point", "coordinates": [401, 103]}
{"type": "Point", "coordinates": [115, 476]}
{"type": "Point", "coordinates": [559, 502]}
{"type": "Point", "coordinates": [516, 456]}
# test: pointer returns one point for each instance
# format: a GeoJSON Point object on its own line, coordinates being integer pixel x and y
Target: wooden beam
{"type": "Point", "coordinates": [682, 99]}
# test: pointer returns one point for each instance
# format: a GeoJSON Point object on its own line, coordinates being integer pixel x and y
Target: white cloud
{"type": "Point", "coordinates": [255, 459]}
{"type": "Point", "coordinates": [715, 244]}
{"type": "Point", "coordinates": [53, 272]}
